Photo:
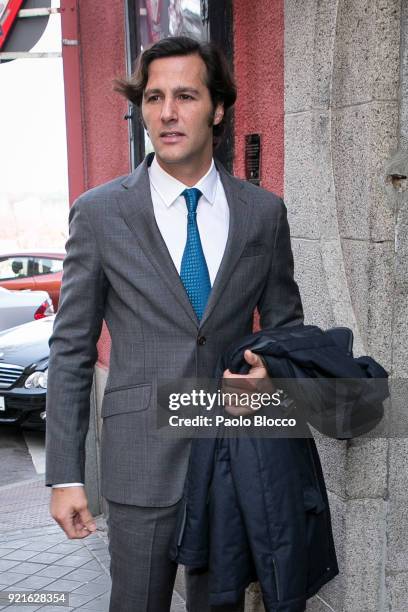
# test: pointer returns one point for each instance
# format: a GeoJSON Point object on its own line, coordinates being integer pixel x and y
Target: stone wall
{"type": "Point", "coordinates": [343, 138]}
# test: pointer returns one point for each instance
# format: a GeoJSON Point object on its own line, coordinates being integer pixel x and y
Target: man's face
{"type": "Point", "coordinates": [178, 112]}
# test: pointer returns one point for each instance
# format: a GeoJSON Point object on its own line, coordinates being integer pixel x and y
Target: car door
{"type": "Point", "coordinates": [16, 272]}
{"type": "Point", "coordinates": [47, 276]}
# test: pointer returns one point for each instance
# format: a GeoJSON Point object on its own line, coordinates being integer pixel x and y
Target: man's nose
{"type": "Point", "coordinates": [169, 110]}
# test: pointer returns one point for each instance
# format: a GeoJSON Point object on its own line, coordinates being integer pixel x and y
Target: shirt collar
{"type": "Point", "coordinates": [169, 188]}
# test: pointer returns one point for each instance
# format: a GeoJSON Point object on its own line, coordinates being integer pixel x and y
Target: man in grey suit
{"type": "Point", "coordinates": [175, 258]}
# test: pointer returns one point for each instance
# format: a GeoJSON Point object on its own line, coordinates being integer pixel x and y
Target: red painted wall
{"type": "Point", "coordinates": [102, 35]}
{"type": "Point", "coordinates": [259, 72]}
{"type": "Point", "coordinates": [71, 61]}
{"type": "Point", "coordinates": [102, 32]}
{"type": "Point", "coordinates": [96, 130]}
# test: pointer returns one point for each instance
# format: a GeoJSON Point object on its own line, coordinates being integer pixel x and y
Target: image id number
{"type": "Point", "coordinates": [34, 597]}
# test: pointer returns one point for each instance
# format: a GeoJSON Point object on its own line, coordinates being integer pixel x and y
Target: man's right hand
{"type": "Point", "coordinates": [69, 508]}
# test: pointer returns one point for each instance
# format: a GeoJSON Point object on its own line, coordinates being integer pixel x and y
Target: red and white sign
{"type": "Point", "coordinates": [8, 14]}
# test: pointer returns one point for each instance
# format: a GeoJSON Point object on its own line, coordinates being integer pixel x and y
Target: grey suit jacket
{"type": "Point", "coordinates": [118, 268]}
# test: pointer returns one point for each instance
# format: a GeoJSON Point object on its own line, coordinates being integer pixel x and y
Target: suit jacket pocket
{"type": "Point", "coordinates": [126, 399]}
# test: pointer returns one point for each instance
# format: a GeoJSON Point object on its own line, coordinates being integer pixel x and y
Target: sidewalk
{"type": "Point", "coordinates": [35, 554]}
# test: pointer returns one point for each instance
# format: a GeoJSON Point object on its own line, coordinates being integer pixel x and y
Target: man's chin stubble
{"type": "Point", "coordinates": [176, 159]}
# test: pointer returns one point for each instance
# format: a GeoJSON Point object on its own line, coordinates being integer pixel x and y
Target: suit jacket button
{"type": "Point", "coordinates": [201, 340]}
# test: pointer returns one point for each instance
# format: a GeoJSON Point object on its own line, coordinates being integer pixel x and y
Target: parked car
{"type": "Point", "coordinates": [17, 307]}
{"type": "Point", "coordinates": [36, 270]}
{"type": "Point", "coordinates": [24, 354]}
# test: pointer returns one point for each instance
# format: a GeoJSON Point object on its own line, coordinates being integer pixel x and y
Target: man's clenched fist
{"type": "Point", "coordinates": [69, 508]}
{"type": "Point", "coordinates": [246, 382]}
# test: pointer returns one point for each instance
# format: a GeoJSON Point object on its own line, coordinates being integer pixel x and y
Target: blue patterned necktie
{"type": "Point", "coordinates": [194, 272]}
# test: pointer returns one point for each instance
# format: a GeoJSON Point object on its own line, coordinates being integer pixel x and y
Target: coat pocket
{"type": "Point", "coordinates": [122, 400]}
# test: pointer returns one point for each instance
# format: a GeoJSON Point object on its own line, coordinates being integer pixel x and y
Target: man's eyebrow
{"type": "Point", "coordinates": [150, 92]}
{"type": "Point", "coordinates": [181, 89]}
{"type": "Point", "coordinates": [176, 90]}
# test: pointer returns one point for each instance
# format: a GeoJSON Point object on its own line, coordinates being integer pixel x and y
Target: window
{"type": "Point", "coordinates": [45, 265]}
{"type": "Point", "coordinates": [14, 267]}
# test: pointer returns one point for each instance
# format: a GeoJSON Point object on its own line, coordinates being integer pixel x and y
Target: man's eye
{"type": "Point", "coordinates": [153, 98]}
{"type": "Point", "coordinates": [186, 97]}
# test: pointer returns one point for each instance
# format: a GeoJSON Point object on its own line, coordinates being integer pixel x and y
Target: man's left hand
{"type": "Point", "coordinates": [251, 381]}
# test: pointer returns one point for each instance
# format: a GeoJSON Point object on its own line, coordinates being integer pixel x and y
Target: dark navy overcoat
{"type": "Point", "coordinates": [257, 508]}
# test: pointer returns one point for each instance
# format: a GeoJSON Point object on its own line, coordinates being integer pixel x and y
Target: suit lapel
{"type": "Point", "coordinates": [239, 209]}
{"type": "Point", "coordinates": [137, 209]}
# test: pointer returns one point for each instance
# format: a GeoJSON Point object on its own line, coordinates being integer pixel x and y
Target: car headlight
{"type": "Point", "coordinates": [37, 380]}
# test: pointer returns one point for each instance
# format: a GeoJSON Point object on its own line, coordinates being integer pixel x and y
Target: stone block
{"type": "Point", "coordinates": [398, 462]}
{"type": "Point", "coordinates": [324, 189]}
{"type": "Point", "coordinates": [345, 54]}
{"type": "Point", "coordinates": [367, 468]}
{"type": "Point", "coordinates": [318, 603]}
{"type": "Point", "coordinates": [333, 455]}
{"type": "Point", "coordinates": [397, 589]}
{"type": "Point", "coordinates": [299, 42]}
{"type": "Point", "coordinates": [253, 599]}
{"type": "Point", "coordinates": [325, 31]}
{"type": "Point", "coordinates": [400, 337]}
{"type": "Point", "coordinates": [309, 187]}
{"type": "Point", "coordinates": [336, 276]}
{"type": "Point", "coordinates": [300, 176]}
{"type": "Point", "coordinates": [404, 75]}
{"type": "Point", "coordinates": [310, 275]}
{"type": "Point", "coordinates": [334, 591]}
{"type": "Point", "coordinates": [363, 138]}
{"type": "Point", "coordinates": [355, 257]}
{"type": "Point", "coordinates": [397, 529]}
{"type": "Point", "coordinates": [180, 585]}
{"type": "Point", "coordinates": [309, 44]}
{"type": "Point", "coordinates": [396, 414]}
{"type": "Point", "coordinates": [366, 55]}
{"type": "Point", "coordinates": [381, 302]}
{"type": "Point", "coordinates": [400, 323]}
{"type": "Point", "coordinates": [365, 554]}
{"type": "Point", "coordinates": [369, 270]}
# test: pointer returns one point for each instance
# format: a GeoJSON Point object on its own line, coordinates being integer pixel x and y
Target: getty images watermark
{"type": "Point", "coordinates": [213, 401]}
{"type": "Point", "coordinates": [338, 408]}
{"type": "Point", "coordinates": [202, 408]}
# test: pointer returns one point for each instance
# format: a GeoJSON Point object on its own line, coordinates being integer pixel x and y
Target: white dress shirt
{"type": "Point", "coordinates": [170, 211]}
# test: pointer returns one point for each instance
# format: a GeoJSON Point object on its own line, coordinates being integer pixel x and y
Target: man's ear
{"type": "Point", "coordinates": [218, 114]}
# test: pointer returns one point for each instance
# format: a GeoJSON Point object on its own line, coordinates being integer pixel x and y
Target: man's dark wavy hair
{"type": "Point", "coordinates": [220, 81]}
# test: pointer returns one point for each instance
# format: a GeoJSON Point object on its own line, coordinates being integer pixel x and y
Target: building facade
{"type": "Point", "coordinates": [322, 120]}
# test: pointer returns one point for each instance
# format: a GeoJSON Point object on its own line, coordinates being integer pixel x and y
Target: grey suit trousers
{"type": "Point", "coordinates": [142, 574]}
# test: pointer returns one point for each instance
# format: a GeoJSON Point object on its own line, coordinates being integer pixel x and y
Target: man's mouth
{"type": "Point", "coordinates": [171, 136]}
